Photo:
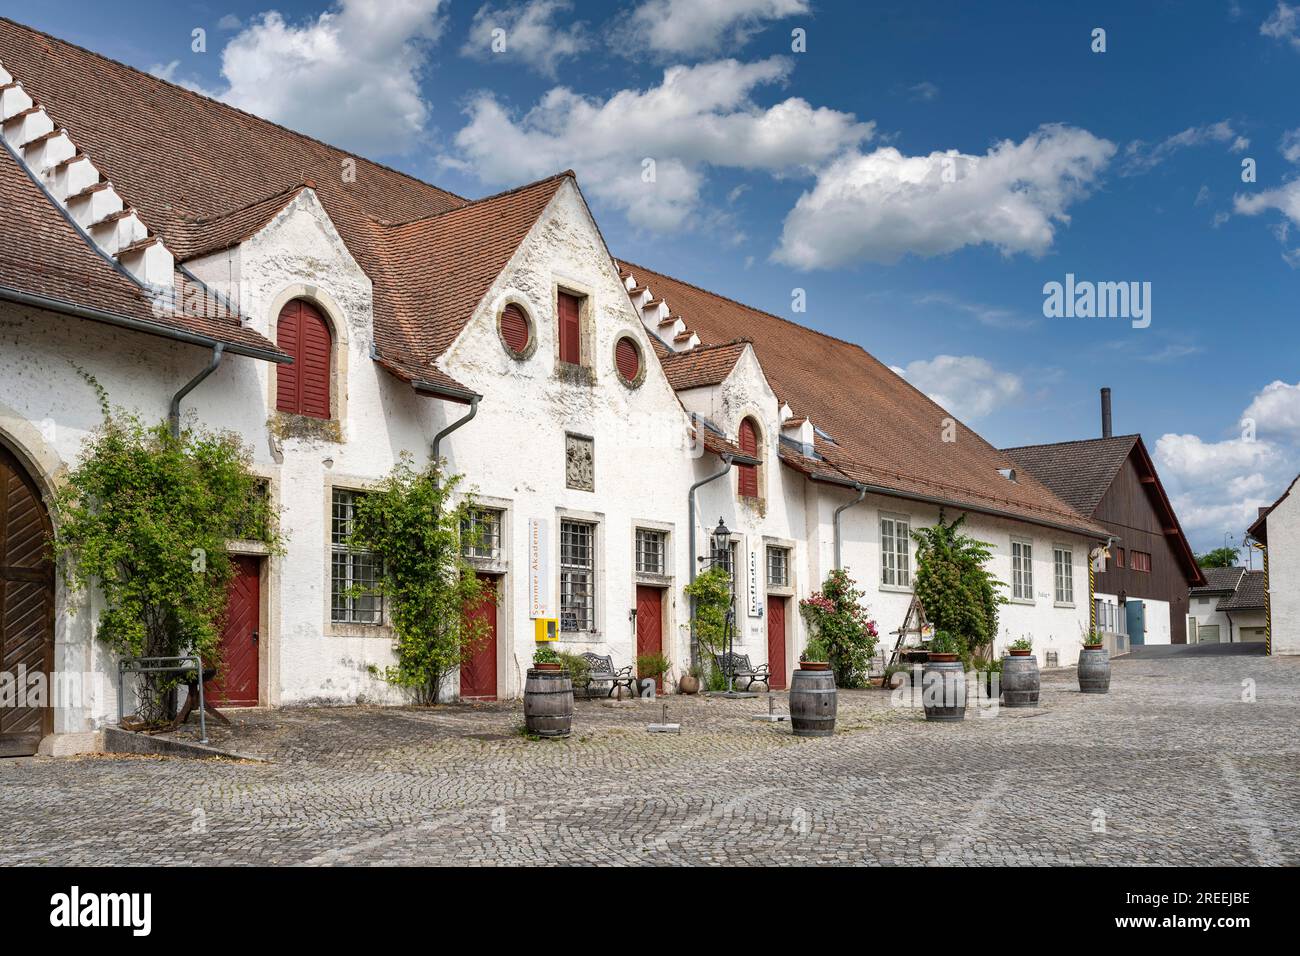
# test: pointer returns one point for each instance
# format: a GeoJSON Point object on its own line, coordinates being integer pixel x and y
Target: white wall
{"type": "Point", "coordinates": [1284, 574]}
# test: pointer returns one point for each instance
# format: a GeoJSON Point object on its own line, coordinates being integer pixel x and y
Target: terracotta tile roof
{"type": "Point", "coordinates": [1079, 472]}
{"type": "Point", "coordinates": [1219, 579]}
{"type": "Point", "coordinates": [887, 433]}
{"type": "Point", "coordinates": [705, 365]}
{"type": "Point", "coordinates": [41, 254]}
{"type": "Point", "coordinates": [1249, 595]}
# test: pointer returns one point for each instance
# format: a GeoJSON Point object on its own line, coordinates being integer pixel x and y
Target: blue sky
{"type": "Point", "coordinates": [824, 170]}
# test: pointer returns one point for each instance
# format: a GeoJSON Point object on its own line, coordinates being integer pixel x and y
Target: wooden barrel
{"type": "Point", "coordinates": [548, 703]}
{"type": "Point", "coordinates": [812, 703]}
{"type": "Point", "coordinates": [1020, 681]}
{"type": "Point", "coordinates": [943, 691]}
{"type": "Point", "coordinates": [1094, 671]}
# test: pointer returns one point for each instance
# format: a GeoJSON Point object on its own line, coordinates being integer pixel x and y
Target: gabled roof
{"type": "Point", "coordinates": [1259, 529]}
{"type": "Point", "coordinates": [1079, 472]}
{"type": "Point", "coordinates": [1249, 594]}
{"type": "Point", "coordinates": [46, 262]}
{"type": "Point", "coordinates": [1218, 581]}
{"type": "Point", "coordinates": [888, 435]}
{"type": "Point", "coordinates": [703, 365]}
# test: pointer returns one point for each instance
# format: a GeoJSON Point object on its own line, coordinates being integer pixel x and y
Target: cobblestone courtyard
{"type": "Point", "coordinates": [1170, 768]}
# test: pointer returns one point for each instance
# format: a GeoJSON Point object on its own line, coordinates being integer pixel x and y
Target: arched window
{"type": "Point", "coordinates": [748, 474]}
{"type": "Point", "coordinates": [303, 388]}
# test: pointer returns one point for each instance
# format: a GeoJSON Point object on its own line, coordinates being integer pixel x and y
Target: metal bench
{"type": "Point", "coordinates": [603, 672]}
{"type": "Point", "coordinates": [742, 669]}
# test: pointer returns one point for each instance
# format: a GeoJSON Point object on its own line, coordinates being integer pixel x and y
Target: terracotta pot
{"type": "Point", "coordinates": [1092, 647]}
{"type": "Point", "coordinates": [1020, 651]}
{"type": "Point", "coordinates": [547, 667]}
{"type": "Point", "coordinates": [940, 657]}
{"type": "Point", "coordinates": [688, 684]}
{"type": "Point", "coordinates": [814, 666]}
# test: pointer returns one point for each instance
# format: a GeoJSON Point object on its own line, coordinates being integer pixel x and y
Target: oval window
{"type": "Point", "coordinates": [627, 357]}
{"type": "Point", "coordinates": [514, 329]}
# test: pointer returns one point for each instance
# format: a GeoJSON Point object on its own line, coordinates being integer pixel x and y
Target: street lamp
{"type": "Point", "coordinates": [722, 556]}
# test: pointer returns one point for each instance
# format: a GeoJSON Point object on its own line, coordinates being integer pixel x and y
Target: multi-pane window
{"type": "Point", "coordinates": [650, 547]}
{"type": "Point", "coordinates": [1139, 561]}
{"type": "Point", "coordinates": [1119, 557]}
{"type": "Point", "coordinates": [1022, 570]}
{"type": "Point", "coordinates": [353, 574]}
{"type": "Point", "coordinates": [895, 559]}
{"type": "Point", "coordinates": [1063, 559]}
{"type": "Point", "coordinates": [577, 576]}
{"type": "Point", "coordinates": [778, 567]}
{"type": "Point", "coordinates": [480, 534]}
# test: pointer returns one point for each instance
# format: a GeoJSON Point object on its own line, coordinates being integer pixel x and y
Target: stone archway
{"type": "Point", "coordinates": [26, 611]}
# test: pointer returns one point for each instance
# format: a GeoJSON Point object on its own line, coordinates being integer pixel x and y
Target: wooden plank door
{"type": "Point", "coordinates": [478, 675]}
{"type": "Point", "coordinates": [237, 683]}
{"type": "Point", "coordinates": [26, 610]}
{"type": "Point", "coordinates": [776, 662]}
{"type": "Point", "coordinates": [650, 624]}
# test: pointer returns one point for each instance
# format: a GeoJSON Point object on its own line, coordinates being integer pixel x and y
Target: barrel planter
{"type": "Point", "coordinates": [1094, 670]}
{"type": "Point", "coordinates": [943, 688]}
{"type": "Point", "coordinates": [812, 702]}
{"type": "Point", "coordinates": [548, 703]}
{"type": "Point", "coordinates": [1020, 683]}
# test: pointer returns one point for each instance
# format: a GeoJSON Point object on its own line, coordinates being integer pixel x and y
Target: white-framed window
{"type": "Point", "coordinates": [1022, 569]}
{"type": "Point", "coordinates": [651, 551]}
{"type": "Point", "coordinates": [895, 551]}
{"type": "Point", "coordinates": [778, 567]}
{"type": "Point", "coordinates": [1063, 562]}
{"type": "Point", "coordinates": [577, 576]}
{"type": "Point", "coordinates": [351, 569]}
{"type": "Point", "coordinates": [480, 534]}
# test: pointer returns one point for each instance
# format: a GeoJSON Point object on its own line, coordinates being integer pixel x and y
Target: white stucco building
{"type": "Point", "coordinates": [1277, 530]}
{"type": "Point", "coordinates": [360, 314]}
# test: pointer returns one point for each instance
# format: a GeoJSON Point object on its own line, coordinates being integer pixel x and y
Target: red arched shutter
{"type": "Point", "coordinates": [514, 328]}
{"type": "Point", "coordinates": [748, 473]}
{"type": "Point", "coordinates": [303, 388]}
{"type": "Point", "coordinates": [628, 359]}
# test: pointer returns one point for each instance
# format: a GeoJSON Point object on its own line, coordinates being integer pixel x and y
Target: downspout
{"type": "Point", "coordinates": [174, 413]}
{"type": "Point", "coordinates": [690, 524]}
{"type": "Point", "coordinates": [463, 420]}
{"type": "Point", "coordinates": [835, 521]}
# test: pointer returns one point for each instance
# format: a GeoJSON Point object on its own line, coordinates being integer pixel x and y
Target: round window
{"type": "Point", "coordinates": [627, 359]}
{"type": "Point", "coordinates": [516, 330]}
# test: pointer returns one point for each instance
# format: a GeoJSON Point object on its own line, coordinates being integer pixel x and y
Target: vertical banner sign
{"type": "Point", "coordinates": [539, 573]}
{"type": "Point", "coordinates": [755, 605]}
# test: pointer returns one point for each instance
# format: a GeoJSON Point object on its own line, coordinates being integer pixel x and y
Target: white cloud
{"type": "Point", "coordinates": [350, 77]}
{"type": "Point", "coordinates": [1218, 487]}
{"type": "Point", "coordinates": [1283, 25]}
{"type": "Point", "coordinates": [966, 385]}
{"type": "Point", "coordinates": [1290, 145]}
{"type": "Point", "coordinates": [992, 316]}
{"type": "Point", "coordinates": [229, 22]}
{"type": "Point", "coordinates": [531, 34]}
{"type": "Point", "coordinates": [1140, 157]}
{"type": "Point", "coordinates": [1191, 461]}
{"type": "Point", "coordinates": [925, 90]}
{"type": "Point", "coordinates": [1276, 410]}
{"type": "Point", "coordinates": [882, 205]}
{"type": "Point", "coordinates": [698, 116]}
{"type": "Point", "coordinates": [694, 28]}
{"type": "Point", "coordinates": [1284, 199]}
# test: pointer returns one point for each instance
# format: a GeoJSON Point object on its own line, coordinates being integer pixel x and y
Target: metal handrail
{"type": "Point", "coordinates": [181, 664]}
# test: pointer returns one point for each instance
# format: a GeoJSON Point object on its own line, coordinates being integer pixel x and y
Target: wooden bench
{"type": "Point", "coordinates": [742, 669]}
{"type": "Point", "coordinates": [603, 672]}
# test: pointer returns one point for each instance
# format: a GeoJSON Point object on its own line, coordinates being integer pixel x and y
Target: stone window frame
{"type": "Point", "coordinates": [599, 574]}
{"type": "Point", "coordinates": [584, 371]}
{"type": "Point", "coordinates": [530, 317]}
{"type": "Point", "coordinates": [288, 425]}
{"type": "Point", "coordinates": [642, 364]}
{"type": "Point", "coordinates": [334, 628]}
{"type": "Point", "coordinates": [668, 530]}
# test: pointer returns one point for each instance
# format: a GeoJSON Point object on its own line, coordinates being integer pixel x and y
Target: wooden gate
{"type": "Point", "coordinates": [237, 684]}
{"type": "Point", "coordinates": [776, 662]}
{"type": "Point", "coordinates": [650, 624]}
{"type": "Point", "coordinates": [478, 675]}
{"type": "Point", "coordinates": [26, 612]}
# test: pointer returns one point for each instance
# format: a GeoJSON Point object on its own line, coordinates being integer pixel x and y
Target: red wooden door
{"type": "Point", "coordinates": [776, 662]}
{"type": "Point", "coordinates": [237, 683]}
{"type": "Point", "coordinates": [303, 388]}
{"type": "Point", "coordinates": [650, 623]}
{"type": "Point", "coordinates": [26, 610]}
{"type": "Point", "coordinates": [478, 675]}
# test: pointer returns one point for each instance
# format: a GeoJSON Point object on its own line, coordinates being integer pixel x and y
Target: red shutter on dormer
{"type": "Point", "coordinates": [514, 328]}
{"type": "Point", "coordinates": [748, 473]}
{"type": "Point", "coordinates": [570, 343]}
{"type": "Point", "coordinates": [628, 359]}
{"type": "Point", "coordinates": [303, 388]}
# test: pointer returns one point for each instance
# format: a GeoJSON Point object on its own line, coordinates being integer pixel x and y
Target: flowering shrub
{"type": "Point", "coordinates": [841, 623]}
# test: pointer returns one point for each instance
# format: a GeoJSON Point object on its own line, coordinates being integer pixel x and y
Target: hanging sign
{"type": "Point", "coordinates": [755, 602]}
{"type": "Point", "coordinates": [539, 569]}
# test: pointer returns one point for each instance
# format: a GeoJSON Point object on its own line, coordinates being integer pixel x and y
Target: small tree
{"type": "Point", "coordinates": [145, 516]}
{"type": "Point", "coordinates": [842, 624]}
{"type": "Point", "coordinates": [412, 524]}
{"type": "Point", "coordinates": [959, 593]}
{"type": "Point", "coordinates": [712, 596]}
{"type": "Point", "coordinates": [1219, 558]}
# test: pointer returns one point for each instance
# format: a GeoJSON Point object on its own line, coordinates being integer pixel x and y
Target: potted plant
{"type": "Point", "coordinates": [545, 659]}
{"type": "Point", "coordinates": [1021, 647]}
{"type": "Point", "coordinates": [815, 657]}
{"type": "Point", "coordinates": [1094, 665]}
{"type": "Point", "coordinates": [1020, 680]}
{"type": "Point", "coordinates": [653, 667]}
{"type": "Point", "coordinates": [943, 683]}
{"type": "Point", "coordinates": [689, 683]}
{"type": "Point", "coordinates": [944, 648]}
